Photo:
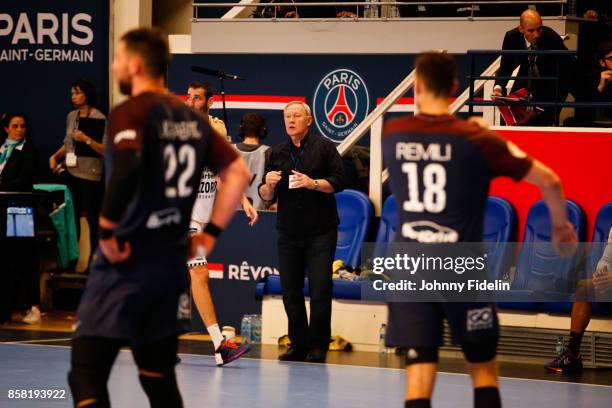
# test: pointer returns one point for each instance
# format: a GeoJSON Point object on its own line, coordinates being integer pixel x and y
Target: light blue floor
{"type": "Point", "coordinates": [269, 384]}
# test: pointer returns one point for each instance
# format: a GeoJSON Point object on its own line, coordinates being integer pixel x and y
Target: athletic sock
{"type": "Point", "coordinates": [574, 343]}
{"type": "Point", "coordinates": [215, 334]}
{"type": "Point", "coordinates": [487, 397]}
{"type": "Point", "coordinates": [418, 403]}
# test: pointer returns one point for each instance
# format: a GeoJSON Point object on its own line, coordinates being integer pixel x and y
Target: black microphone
{"type": "Point", "coordinates": [215, 73]}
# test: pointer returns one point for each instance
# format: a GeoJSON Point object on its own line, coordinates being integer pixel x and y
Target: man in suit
{"type": "Point", "coordinates": [532, 35]}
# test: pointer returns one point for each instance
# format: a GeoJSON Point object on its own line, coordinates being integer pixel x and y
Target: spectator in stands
{"type": "Point", "coordinates": [18, 162]}
{"type": "Point", "coordinates": [594, 85]}
{"type": "Point", "coordinates": [531, 34]}
{"type": "Point", "coordinates": [17, 155]}
{"type": "Point", "coordinates": [252, 130]}
{"type": "Point", "coordinates": [596, 9]}
{"type": "Point", "coordinates": [304, 172]}
{"type": "Point", "coordinates": [82, 156]}
{"type": "Point", "coordinates": [600, 284]}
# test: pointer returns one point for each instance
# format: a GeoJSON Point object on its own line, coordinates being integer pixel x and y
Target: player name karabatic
{"type": "Point", "coordinates": [436, 286]}
{"type": "Point", "coordinates": [182, 130]}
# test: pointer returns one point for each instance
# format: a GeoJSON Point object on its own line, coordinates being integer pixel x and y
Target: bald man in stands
{"type": "Point", "coordinates": [531, 34]}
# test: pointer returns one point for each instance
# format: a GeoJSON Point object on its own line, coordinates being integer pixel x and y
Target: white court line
{"type": "Point", "coordinates": [342, 365]}
{"type": "Point", "coordinates": [34, 341]}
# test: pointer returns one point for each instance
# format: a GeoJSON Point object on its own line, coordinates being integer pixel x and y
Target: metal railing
{"type": "Point", "coordinates": [476, 80]}
{"type": "Point", "coordinates": [359, 5]}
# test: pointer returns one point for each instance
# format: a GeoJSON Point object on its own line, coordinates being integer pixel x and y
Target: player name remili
{"type": "Point", "coordinates": [434, 285]}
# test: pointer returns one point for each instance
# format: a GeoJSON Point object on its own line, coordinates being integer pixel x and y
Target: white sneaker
{"type": "Point", "coordinates": [33, 316]}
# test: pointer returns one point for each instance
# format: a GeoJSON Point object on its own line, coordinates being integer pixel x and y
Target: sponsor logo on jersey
{"type": "Point", "coordinates": [480, 319]}
{"type": "Point", "coordinates": [428, 232]}
{"type": "Point", "coordinates": [128, 134]}
{"type": "Point", "coordinates": [162, 218]}
{"type": "Point", "coordinates": [341, 103]}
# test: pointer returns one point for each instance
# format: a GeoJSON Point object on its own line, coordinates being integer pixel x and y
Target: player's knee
{"type": "Point", "coordinates": [480, 352]}
{"type": "Point", "coordinates": [416, 355]}
{"type": "Point", "coordinates": [87, 389]}
{"type": "Point", "coordinates": [161, 388]}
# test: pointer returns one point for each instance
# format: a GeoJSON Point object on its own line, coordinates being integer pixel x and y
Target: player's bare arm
{"type": "Point", "coordinates": [563, 234]}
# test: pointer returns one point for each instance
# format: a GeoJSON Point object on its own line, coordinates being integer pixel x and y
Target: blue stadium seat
{"type": "Point", "coordinates": [603, 223]}
{"type": "Point", "coordinates": [387, 227]}
{"type": "Point", "coordinates": [498, 230]}
{"type": "Point", "coordinates": [539, 269]}
{"type": "Point", "coordinates": [355, 212]}
{"type": "Point", "coordinates": [341, 289]}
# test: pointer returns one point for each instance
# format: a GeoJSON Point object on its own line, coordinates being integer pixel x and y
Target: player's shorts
{"type": "Point", "coordinates": [142, 300]}
{"type": "Point", "coordinates": [421, 324]}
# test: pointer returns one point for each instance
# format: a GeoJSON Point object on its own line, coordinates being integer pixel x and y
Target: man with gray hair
{"type": "Point", "coordinates": [302, 174]}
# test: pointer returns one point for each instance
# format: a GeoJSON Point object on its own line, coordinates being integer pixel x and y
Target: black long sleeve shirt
{"type": "Point", "coordinates": [303, 212]}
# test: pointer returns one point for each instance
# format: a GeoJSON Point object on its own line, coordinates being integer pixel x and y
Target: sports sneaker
{"type": "Point", "coordinates": [33, 316]}
{"type": "Point", "coordinates": [229, 351]}
{"type": "Point", "coordinates": [565, 363]}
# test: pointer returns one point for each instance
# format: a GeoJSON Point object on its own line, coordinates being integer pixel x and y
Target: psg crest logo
{"type": "Point", "coordinates": [341, 102]}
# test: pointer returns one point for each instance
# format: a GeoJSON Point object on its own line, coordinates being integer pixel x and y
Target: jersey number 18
{"type": "Point", "coordinates": [434, 181]}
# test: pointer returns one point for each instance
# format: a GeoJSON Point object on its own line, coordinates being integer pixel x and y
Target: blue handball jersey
{"type": "Point", "coordinates": [175, 143]}
{"type": "Point", "coordinates": [440, 168]}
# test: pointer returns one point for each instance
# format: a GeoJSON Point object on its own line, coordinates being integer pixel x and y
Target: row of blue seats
{"type": "Point", "coordinates": [536, 267]}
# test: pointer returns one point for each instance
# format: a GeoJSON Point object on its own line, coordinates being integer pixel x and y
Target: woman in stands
{"type": "Point", "coordinates": [17, 155]}
{"type": "Point", "coordinates": [17, 173]}
{"type": "Point", "coordinates": [82, 156]}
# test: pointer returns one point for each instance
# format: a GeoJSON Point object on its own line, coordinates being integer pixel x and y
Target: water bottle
{"type": "Point", "coordinates": [382, 333]}
{"type": "Point", "coordinates": [256, 329]}
{"type": "Point", "coordinates": [245, 329]}
{"type": "Point", "coordinates": [559, 348]}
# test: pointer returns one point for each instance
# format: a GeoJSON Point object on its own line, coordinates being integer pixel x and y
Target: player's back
{"type": "Point", "coordinates": [440, 168]}
{"type": "Point", "coordinates": [174, 144]}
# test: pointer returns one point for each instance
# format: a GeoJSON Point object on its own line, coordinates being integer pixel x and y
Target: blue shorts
{"type": "Point", "coordinates": [422, 324]}
{"type": "Point", "coordinates": [142, 300]}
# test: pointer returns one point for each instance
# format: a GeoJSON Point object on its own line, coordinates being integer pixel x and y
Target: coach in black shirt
{"type": "Point", "coordinates": [303, 174]}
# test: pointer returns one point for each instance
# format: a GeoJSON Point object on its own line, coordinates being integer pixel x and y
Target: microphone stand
{"type": "Point", "coordinates": [222, 76]}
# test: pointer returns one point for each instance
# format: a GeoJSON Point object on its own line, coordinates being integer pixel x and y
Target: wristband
{"type": "Point", "coordinates": [104, 233]}
{"type": "Point", "coordinates": [192, 263]}
{"type": "Point", "coordinates": [212, 230]}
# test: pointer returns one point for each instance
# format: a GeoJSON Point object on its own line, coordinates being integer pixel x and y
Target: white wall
{"type": "Point", "coordinates": [125, 15]}
{"type": "Point", "coordinates": [346, 36]}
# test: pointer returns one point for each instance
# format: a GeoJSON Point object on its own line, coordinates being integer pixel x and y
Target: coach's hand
{"type": "Point", "coordinates": [114, 252]}
{"type": "Point", "coordinates": [272, 178]}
